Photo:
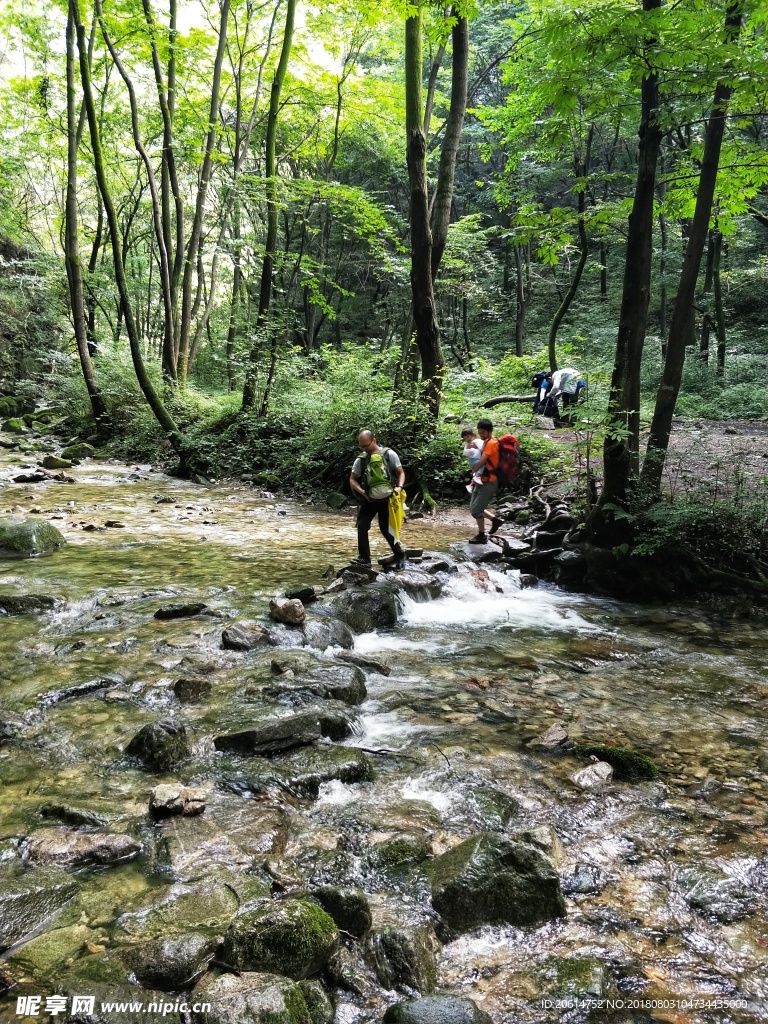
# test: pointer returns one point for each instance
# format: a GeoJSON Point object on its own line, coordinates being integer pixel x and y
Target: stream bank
{"type": "Point", "coordinates": [663, 880]}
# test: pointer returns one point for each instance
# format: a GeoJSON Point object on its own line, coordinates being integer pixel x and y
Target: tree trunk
{"type": "Point", "coordinates": [424, 312]}
{"type": "Point", "coordinates": [622, 441]}
{"type": "Point", "coordinates": [72, 248]}
{"type": "Point", "coordinates": [523, 294]}
{"type": "Point", "coordinates": [719, 314]}
{"type": "Point", "coordinates": [581, 171]}
{"type": "Point", "coordinates": [268, 265]}
{"type": "Point", "coordinates": [661, 425]}
{"type": "Point", "coordinates": [153, 399]}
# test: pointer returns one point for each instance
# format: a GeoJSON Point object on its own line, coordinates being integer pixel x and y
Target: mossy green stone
{"type": "Point", "coordinates": [14, 425]}
{"type": "Point", "coordinates": [293, 937]}
{"type": "Point", "coordinates": [626, 763]}
{"type": "Point", "coordinates": [22, 537]}
{"type": "Point", "coordinates": [54, 462]}
{"type": "Point", "coordinates": [261, 998]}
{"type": "Point", "coordinates": [79, 451]}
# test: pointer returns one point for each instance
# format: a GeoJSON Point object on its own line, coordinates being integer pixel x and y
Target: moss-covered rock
{"type": "Point", "coordinates": [22, 537]}
{"type": "Point", "coordinates": [261, 998]}
{"type": "Point", "coordinates": [436, 1010]}
{"type": "Point", "coordinates": [626, 763]}
{"type": "Point", "coordinates": [490, 879]}
{"type": "Point", "coordinates": [294, 937]}
{"type": "Point", "coordinates": [54, 462]}
{"type": "Point", "coordinates": [349, 908]}
{"type": "Point", "coordinates": [169, 963]}
{"type": "Point", "coordinates": [180, 908]}
{"type": "Point", "coordinates": [79, 451]}
{"type": "Point", "coordinates": [159, 745]}
{"type": "Point", "coordinates": [403, 955]}
{"type": "Point", "coordinates": [30, 899]}
{"type": "Point", "coordinates": [14, 425]}
{"type": "Point", "coordinates": [26, 604]}
{"type": "Point", "coordinates": [400, 852]}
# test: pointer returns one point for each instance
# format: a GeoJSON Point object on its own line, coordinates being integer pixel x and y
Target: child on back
{"type": "Point", "coordinates": [473, 449]}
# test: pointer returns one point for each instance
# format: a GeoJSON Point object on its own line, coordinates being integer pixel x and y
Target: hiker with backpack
{"type": "Point", "coordinates": [497, 465]}
{"type": "Point", "coordinates": [376, 476]}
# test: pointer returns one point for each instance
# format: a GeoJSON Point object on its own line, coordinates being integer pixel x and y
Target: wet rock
{"type": "Point", "coordinates": [626, 763]}
{"type": "Point", "coordinates": [436, 1010]}
{"type": "Point", "coordinates": [716, 895]}
{"type": "Point", "coordinates": [74, 816]}
{"type": "Point", "coordinates": [180, 908]}
{"type": "Point", "coordinates": [585, 878]}
{"type": "Point", "coordinates": [14, 425]}
{"type": "Point", "coordinates": [349, 908]}
{"type": "Point", "coordinates": [399, 852]}
{"type": "Point", "coordinates": [490, 879]}
{"type": "Point", "coordinates": [28, 538]}
{"type": "Point", "coordinates": [259, 998]}
{"type": "Point", "coordinates": [180, 611]}
{"type": "Point", "coordinates": [54, 462]}
{"type": "Point", "coordinates": [421, 586]}
{"type": "Point", "coordinates": [362, 661]}
{"type": "Point", "coordinates": [30, 900]}
{"type": "Point", "coordinates": [172, 798]}
{"type": "Point", "coordinates": [307, 770]}
{"type": "Point", "coordinates": [163, 499]}
{"type": "Point", "coordinates": [496, 808]}
{"type": "Point", "coordinates": [72, 849]}
{"type": "Point", "coordinates": [159, 745]}
{"type": "Point", "coordinates": [336, 723]}
{"type": "Point", "coordinates": [287, 637]}
{"type": "Point", "coordinates": [295, 662]}
{"type": "Point", "coordinates": [339, 682]}
{"type": "Point", "coordinates": [346, 970]}
{"type": "Point", "coordinates": [78, 451]}
{"type": "Point", "coordinates": [38, 477]}
{"type": "Point", "coordinates": [192, 689]}
{"type": "Point", "coordinates": [552, 739]}
{"type": "Point", "coordinates": [7, 732]}
{"type": "Point", "coordinates": [244, 637]}
{"type": "Point", "coordinates": [293, 937]}
{"type": "Point", "coordinates": [26, 604]}
{"type": "Point", "coordinates": [595, 776]}
{"type": "Point", "coordinates": [366, 610]}
{"type": "Point", "coordinates": [403, 956]}
{"type": "Point", "coordinates": [328, 632]}
{"type": "Point", "coordinates": [527, 580]}
{"type": "Point", "coordinates": [273, 735]}
{"type": "Point", "coordinates": [82, 690]}
{"type": "Point", "coordinates": [291, 612]}
{"type": "Point", "coordinates": [169, 963]}
{"type": "Point", "coordinates": [307, 595]}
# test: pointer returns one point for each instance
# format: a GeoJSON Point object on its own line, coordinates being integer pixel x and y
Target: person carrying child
{"type": "Point", "coordinates": [485, 483]}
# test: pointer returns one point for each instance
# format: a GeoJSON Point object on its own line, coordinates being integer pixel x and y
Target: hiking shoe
{"type": "Point", "coordinates": [361, 563]}
{"type": "Point", "coordinates": [479, 539]}
{"type": "Point", "coordinates": [399, 563]}
{"type": "Point", "coordinates": [496, 524]}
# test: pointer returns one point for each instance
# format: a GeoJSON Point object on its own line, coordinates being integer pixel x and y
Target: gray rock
{"type": "Point", "coordinates": [159, 745]}
{"type": "Point", "coordinates": [74, 816]}
{"type": "Point", "coordinates": [339, 682]}
{"type": "Point", "coordinates": [366, 610]}
{"type": "Point", "coordinates": [244, 637]}
{"type": "Point", "coordinates": [347, 970]}
{"type": "Point", "coordinates": [362, 661]}
{"type": "Point", "coordinates": [28, 538]}
{"type": "Point", "coordinates": [259, 998]}
{"type": "Point", "coordinates": [169, 963]}
{"type": "Point", "coordinates": [293, 937]}
{"type": "Point", "coordinates": [305, 771]}
{"type": "Point", "coordinates": [349, 908]}
{"type": "Point", "coordinates": [552, 739]}
{"type": "Point", "coordinates": [337, 722]}
{"type": "Point", "coordinates": [181, 611]}
{"type": "Point", "coordinates": [403, 956]}
{"type": "Point", "coordinates": [595, 776]}
{"type": "Point", "coordinates": [82, 690]}
{"type": "Point", "coordinates": [421, 586]}
{"type": "Point", "coordinates": [172, 798]}
{"type": "Point", "coordinates": [287, 637]}
{"type": "Point", "coordinates": [436, 1010]}
{"type": "Point", "coordinates": [328, 632]}
{"type": "Point", "coordinates": [296, 662]}
{"type": "Point", "coordinates": [72, 849]}
{"type": "Point", "coordinates": [716, 895]}
{"type": "Point", "coordinates": [490, 879]}
{"type": "Point", "coordinates": [26, 604]}
{"type": "Point", "coordinates": [30, 900]}
{"type": "Point", "coordinates": [585, 878]}
{"type": "Point", "coordinates": [291, 612]}
{"type": "Point", "coordinates": [273, 735]}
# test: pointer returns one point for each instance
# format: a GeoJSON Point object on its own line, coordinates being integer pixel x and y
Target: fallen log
{"type": "Point", "coordinates": [507, 398]}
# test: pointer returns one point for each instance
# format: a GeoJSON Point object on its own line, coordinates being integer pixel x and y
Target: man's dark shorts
{"type": "Point", "coordinates": [481, 497]}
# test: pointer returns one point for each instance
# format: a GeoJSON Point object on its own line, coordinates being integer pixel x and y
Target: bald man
{"type": "Point", "coordinates": [376, 475]}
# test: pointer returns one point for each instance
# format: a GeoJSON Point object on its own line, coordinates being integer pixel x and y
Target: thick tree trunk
{"type": "Point", "coordinates": [268, 264]}
{"type": "Point", "coordinates": [719, 314]}
{"type": "Point", "coordinates": [424, 312]}
{"type": "Point", "coordinates": [581, 171]}
{"type": "Point", "coordinates": [153, 399]}
{"type": "Point", "coordinates": [72, 248]}
{"type": "Point", "coordinates": [661, 425]}
{"type": "Point", "coordinates": [622, 442]}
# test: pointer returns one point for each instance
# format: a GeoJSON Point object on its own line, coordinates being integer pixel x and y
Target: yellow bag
{"type": "Point", "coordinates": [396, 513]}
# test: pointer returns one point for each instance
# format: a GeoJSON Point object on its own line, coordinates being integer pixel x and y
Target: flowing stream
{"type": "Point", "coordinates": [666, 880]}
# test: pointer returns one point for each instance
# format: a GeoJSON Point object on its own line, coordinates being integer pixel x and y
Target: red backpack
{"type": "Point", "coordinates": [509, 459]}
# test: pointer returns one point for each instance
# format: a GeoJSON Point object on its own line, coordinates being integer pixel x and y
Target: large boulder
{"type": "Point", "coordinates": [349, 908]}
{"type": "Point", "coordinates": [159, 745]}
{"type": "Point", "coordinates": [169, 963]}
{"type": "Point", "coordinates": [436, 1010]}
{"type": "Point", "coordinates": [256, 998]}
{"type": "Point", "coordinates": [339, 682]}
{"type": "Point", "coordinates": [73, 849]}
{"type": "Point", "coordinates": [78, 451]}
{"type": "Point", "coordinates": [245, 637]}
{"type": "Point", "coordinates": [328, 632]}
{"type": "Point", "coordinates": [293, 937]}
{"type": "Point", "coordinates": [54, 462]}
{"type": "Point", "coordinates": [490, 879]}
{"type": "Point", "coordinates": [366, 610]}
{"type": "Point", "coordinates": [403, 955]}
{"type": "Point", "coordinates": [29, 900]}
{"type": "Point", "coordinates": [22, 537]}
{"type": "Point", "coordinates": [421, 586]}
{"type": "Point", "coordinates": [273, 735]}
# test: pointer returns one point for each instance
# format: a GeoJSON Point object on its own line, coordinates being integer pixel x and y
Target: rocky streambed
{"type": "Point", "coordinates": [236, 776]}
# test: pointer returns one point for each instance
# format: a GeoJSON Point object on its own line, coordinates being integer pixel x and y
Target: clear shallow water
{"type": "Point", "coordinates": [475, 676]}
